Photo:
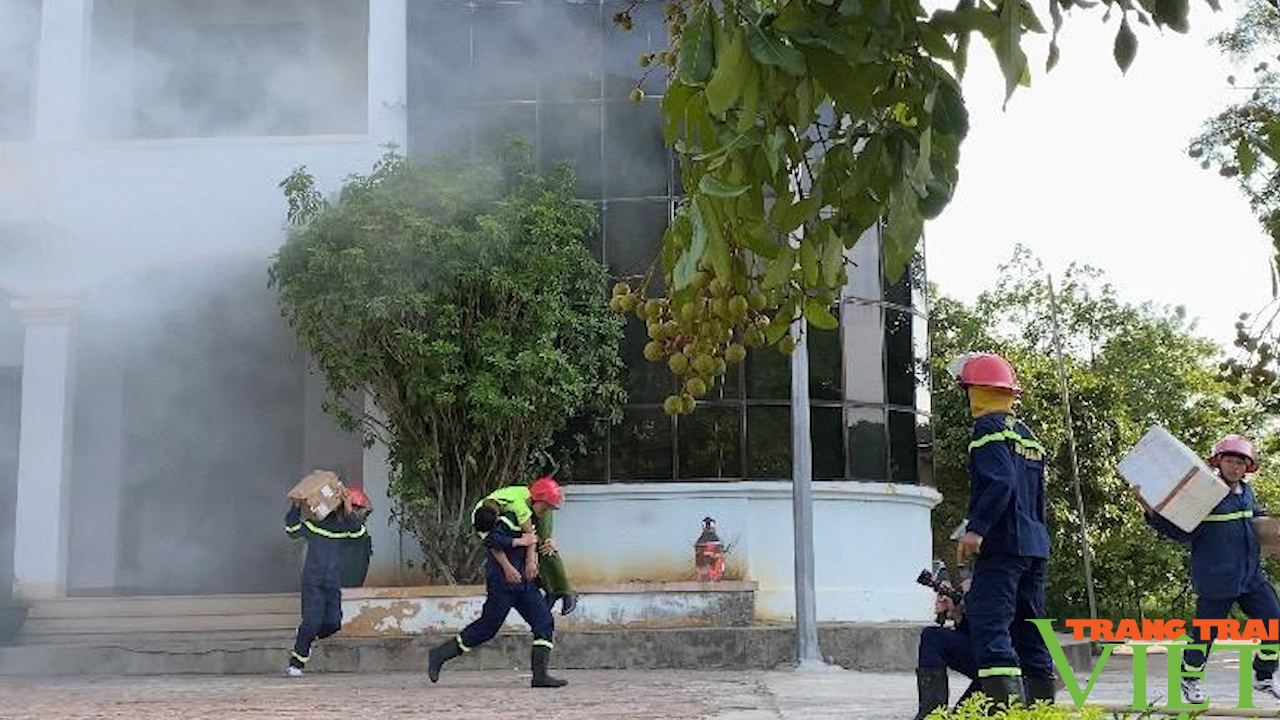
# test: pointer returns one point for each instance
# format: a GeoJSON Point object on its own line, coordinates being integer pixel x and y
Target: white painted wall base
{"type": "Point", "coordinates": [871, 541]}
{"type": "Point", "coordinates": [374, 612]}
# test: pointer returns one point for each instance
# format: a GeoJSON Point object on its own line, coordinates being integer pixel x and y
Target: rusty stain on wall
{"type": "Point", "coordinates": [376, 619]}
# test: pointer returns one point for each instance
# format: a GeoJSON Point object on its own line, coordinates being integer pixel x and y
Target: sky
{"type": "Point", "coordinates": [1090, 165]}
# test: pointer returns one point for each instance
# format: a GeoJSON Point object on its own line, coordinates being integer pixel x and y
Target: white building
{"type": "Point", "coordinates": [154, 406]}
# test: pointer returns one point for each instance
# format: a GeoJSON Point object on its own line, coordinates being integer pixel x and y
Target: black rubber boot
{"type": "Point", "coordinates": [441, 654]}
{"type": "Point", "coordinates": [568, 603]}
{"type": "Point", "coordinates": [1039, 689]}
{"type": "Point", "coordinates": [541, 656]}
{"type": "Point", "coordinates": [1004, 690]}
{"type": "Point", "coordinates": [931, 688]}
{"type": "Point", "coordinates": [974, 688]}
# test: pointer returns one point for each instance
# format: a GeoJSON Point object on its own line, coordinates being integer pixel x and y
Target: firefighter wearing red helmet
{"type": "Point", "coordinates": [1007, 533]}
{"type": "Point", "coordinates": [529, 508]}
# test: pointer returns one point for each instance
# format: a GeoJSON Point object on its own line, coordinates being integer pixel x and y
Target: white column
{"type": "Point", "coordinates": [387, 564]}
{"type": "Point", "coordinates": [389, 72]}
{"type": "Point", "coordinates": [65, 30]}
{"type": "Point", "coordinates": [44, 441]}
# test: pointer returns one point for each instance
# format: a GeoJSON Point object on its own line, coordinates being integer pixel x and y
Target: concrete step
{"type": "Point", "coordinates": [155, 606]}
{"type": "Point", "coordinates": [873, 646]}
{"type": "Point", "coordinates": [39, 627]}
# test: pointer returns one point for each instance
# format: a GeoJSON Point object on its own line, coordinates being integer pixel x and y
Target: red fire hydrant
{"type": "Point", "coordinates": [708, 553]}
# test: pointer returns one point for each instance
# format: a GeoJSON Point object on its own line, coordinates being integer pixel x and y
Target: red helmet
{"type": "Point", "coordinates": [357, 497]}
{"type": "Point", "coordinates": [985, 370]}
{"type": "Point", "coordinates": [1235, 445]}
{"type": "Point", "coordinates": [546, 489]}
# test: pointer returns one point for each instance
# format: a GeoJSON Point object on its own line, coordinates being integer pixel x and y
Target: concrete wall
{"type": "Point", "coordinates": [871, 541]}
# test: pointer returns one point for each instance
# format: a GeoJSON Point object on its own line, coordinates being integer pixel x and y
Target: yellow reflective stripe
{"type": "Point", "coordinates": [461, 645]}
{"type": "Point", "coordinates": [543, 643]}
{"type": "Point", "coordinates": [1006, 435]}
{"type": "Point", "coordinates": [1192, 668]}
{"type": "Point", "coordinates": [292, 528]}
{"type": "Point", "coordinates": [331, 534]}
{"type": "Point", "coordinates": [299, 658]}
{"type": "Point", "coordinates": [1264, 655]}
{"type": "Point", "coordinates": [1000, 671]}
{"type": "Point", "coordinates": [509, 523]}
{"type": "Point", "coordinates": [1240, 515]}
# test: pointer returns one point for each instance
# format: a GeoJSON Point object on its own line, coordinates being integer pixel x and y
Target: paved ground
{"type": "Point", "coordinates": [593, 695]}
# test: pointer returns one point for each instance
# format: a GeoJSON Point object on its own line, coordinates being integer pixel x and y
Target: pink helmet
{"type": "Point", "coordinates": [357, 497]}
{"type": "Point", "coordinates": [985, 370]}
{"type": "Point", "coordinates": [1235, 445]}
{"type": "Point", "coordinates": [546, 489]}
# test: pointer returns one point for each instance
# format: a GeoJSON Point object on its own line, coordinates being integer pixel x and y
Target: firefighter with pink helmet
{"type": "Point", "coordinates": [1226, 566]}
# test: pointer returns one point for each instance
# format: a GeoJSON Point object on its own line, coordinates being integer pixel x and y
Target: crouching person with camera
{"type": "Point", "coordinates": [944, 647]}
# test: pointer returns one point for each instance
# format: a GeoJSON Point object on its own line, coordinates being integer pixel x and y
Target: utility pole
{"type": "Point", "coordinates": [807, 652]}
{"type": "Point", "coordinates": [1071, 450]}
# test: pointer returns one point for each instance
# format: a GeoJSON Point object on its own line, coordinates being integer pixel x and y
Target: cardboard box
{"type": "Point", "coordinates": [1172, 479]}
{"type": "Point", "coordinates": [321, 492]}
{"type": "Point", "coordinates": [1268, 529]}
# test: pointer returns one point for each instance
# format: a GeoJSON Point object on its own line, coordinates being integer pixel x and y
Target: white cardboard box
{"type": "Point", "coordinates": [1172, 479]}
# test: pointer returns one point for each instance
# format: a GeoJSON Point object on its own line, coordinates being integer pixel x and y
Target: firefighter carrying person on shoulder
{"type": "Point", "coordinates": [1007, 533]}
{"type": "Point", "coordinates": [505, 519]}
{"type": "Point", "coordinates": [534, 508]}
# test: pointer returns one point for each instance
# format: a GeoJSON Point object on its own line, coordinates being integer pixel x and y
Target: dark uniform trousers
{"type": "Point", "coordinates": [321, 617]}
{"type": "Point", "coordinates": [1226, 568]}
{"type": "Point", "coordinates": [1007, 591]}
{"type": "Point", "coordinates": [500, 599]}
{"type": "Point", "coordinates": [1258, 602]}
{"type": "Point", "coordinates": [948, 648]}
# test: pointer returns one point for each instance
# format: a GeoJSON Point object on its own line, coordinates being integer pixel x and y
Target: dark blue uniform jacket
{"type": "Point", "coordinates": [1225, 555]}
{"type": "Point", "coordinates": [326, 541]}
{"type": "Point", "coordinates": [1006, 492]}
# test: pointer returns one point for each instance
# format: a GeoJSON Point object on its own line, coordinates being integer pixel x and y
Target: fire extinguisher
{"type": "Point", "coordinates": [708, 553]}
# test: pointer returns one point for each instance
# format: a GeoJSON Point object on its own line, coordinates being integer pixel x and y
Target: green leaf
{"type": "Point", "coordinates": [688, 263]}
{"type": "Point", "coordinates": [697, 54]}
{"type": "Point", "coordinates": [717, 248]}
{"type": "Point", "coordinates": [768, 49]}
{"type": "Point", "coordinates": [730, 76]}
{"type": "Point", "coordinates": [781, 322]}
{"type": "Point", "coordinates": [1013, 62]}
{"type": "Point", "coordinates": [780, 269]}
{"type": "Point", "coordinates": [950, 117]}
{"type": "Point", "coordinates": [1246, 157]}
{"type": "Point", "coordinates": [1173, 13]}
{"type": "Point", "coordinates": [832, 259]}
{"type": "Point", "coordinates": [922, 173]}
{"type": "Point", "coordinates": [716, 187]}
{"type": "Point", "coordinates": [1126, 47]}
{"type": "Point", "coordinates": [750, 98]}
{"type": "Point", "coordinates": [773, 147]}
{"type": "Point", "coordinates": [851, 87]}
{"type": "Point", "coordinates": [794, 215]}
{"type": "Point", "coordinates": [674, 102]}
{"type": "Point", "coordinates": [809, 261]}
{"type": "Point", "coordinates": [819, 315]}
{"type": "Point", "coordinates": [1029, 19]}
{"type": "Point", "coordinates": [758, 239]}
{"type": "Point", "coordinates": [902, 231]}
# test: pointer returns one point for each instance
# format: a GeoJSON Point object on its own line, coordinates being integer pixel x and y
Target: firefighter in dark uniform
{"type": "Point", "coordinates": [1226, 566]}
{"type": "Point", "coordinates": [507, 585]}
{"type": "Point", "coordinates": [1008, 534]}
{"type": "Point", "coordinates": [327, 542]}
